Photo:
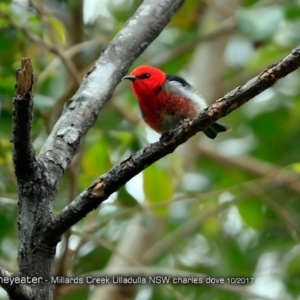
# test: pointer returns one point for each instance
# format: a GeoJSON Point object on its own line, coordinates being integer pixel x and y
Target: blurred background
{"type": "Point", "coordinates": [225, 208]}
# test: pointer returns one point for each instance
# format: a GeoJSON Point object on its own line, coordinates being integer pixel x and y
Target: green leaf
{"type": "Point", "coordinates": [267, 55]}
{"type": "Point", "coordinates": [248, 3]}
{"type": "Point", "coordinates": [58, 28]}
{"type": "Point", "coordinates": [292, 12]}
{"type": "Point", "coordinates": [4, 7]}
{"type": "Point", "coordinates": [126, 199]}
{"type": "Point", "coordinates": [96, 161]}
{"type": "Point", "coordinates": [158, 187]}
{"type": "Point", "coordinates": [295, 167]}
{"type": "Point", "coordinates": [252, 212]}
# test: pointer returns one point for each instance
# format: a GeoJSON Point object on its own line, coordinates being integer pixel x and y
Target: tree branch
{"type": "Point", "coordinates": [14, 290]}
{"type": "Point", "coordinates": [23, 156]}
{"type": "Point", "coordinates": [120, 174]}
{"type": "Point", "coordinates": [82, 110]}
{"type": "Point", "coordinates": [34, 193]}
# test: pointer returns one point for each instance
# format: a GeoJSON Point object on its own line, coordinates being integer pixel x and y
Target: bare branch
{"type": "Point", "coordinates": [120, 174]}
{"type": "Point", "coordinates": [33, 190]}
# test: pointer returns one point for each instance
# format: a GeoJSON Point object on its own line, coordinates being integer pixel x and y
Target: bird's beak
{"type": "Point", "coordinates": [129, 77]}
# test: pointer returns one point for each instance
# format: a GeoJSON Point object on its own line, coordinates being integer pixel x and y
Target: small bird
{"type": "Point", "coordinates": [165, 100]}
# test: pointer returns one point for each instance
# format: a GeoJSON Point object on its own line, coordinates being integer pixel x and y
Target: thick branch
{"type": "Point", "coordinates": [23, 156]}
{"type": "Point", "coordinates": [82, 110]}
{"type": "Point", "coordinates": [119, 175]}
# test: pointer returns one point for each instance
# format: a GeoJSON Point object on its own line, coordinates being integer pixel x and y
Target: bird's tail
{"type": "Point", "coordinates": [213, 130]}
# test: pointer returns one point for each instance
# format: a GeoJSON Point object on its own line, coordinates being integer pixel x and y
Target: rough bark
{"type": "Point", "coordinates": [34, 192]}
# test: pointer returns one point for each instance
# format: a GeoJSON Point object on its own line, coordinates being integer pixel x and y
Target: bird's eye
{"type": "Point", "coordinates": [145, 76]}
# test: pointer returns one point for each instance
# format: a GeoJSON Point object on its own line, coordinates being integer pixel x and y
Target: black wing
{"type": "Point", "coordinates": [178, 79]}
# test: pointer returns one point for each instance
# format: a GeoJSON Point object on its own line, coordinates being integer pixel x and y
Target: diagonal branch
{"type": "Point", "coordinates": [81, 111]}
{"type": "Point", "coordinates": [120, 174]}
{"type": "Point", "coordinates": [23, 156]}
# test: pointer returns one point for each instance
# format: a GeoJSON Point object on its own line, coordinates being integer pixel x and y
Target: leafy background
{"type": "Point", "coordinates": [223, 208]}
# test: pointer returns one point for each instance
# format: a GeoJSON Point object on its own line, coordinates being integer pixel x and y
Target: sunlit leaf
{"type": "Point", "coordinates": [58, 29]}
{"type": "Point", "coordinates": [126, 199]}
{"type": "Point", "coordinates": [4, 7]}
{"type": "Point", "coordinates": [292, 12]}
{"type": "Point", "coordinates": [158, 187]}
{"type": "Point", "coordinates": [189, 14]}
{"type": "Point", "coordinates": [96, 161]}
{"type": "Point", "coordinates": [252, 212]}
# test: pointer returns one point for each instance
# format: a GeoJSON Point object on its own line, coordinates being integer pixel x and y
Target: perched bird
{"type": "Point", "coordinates": [166, 99]}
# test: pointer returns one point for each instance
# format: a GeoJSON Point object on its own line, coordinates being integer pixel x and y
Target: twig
{"type": "Point", "coordinates": [69, 53]}
{"type": "Point", "coordinates": [170, 240]}
{"type": "Point", "coordinates": [33, 37]}
{"type": "Point", "coordinates": [70, 66]}
{"type": "Point", "coordinates": [270, 172]}
{"type": "Point", "coordinates": [53, 49]}
{"type": "Point", "coordinates": [285, 216]}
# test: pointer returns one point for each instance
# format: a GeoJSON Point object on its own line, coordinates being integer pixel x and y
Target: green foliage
{"type": "Point", "coordinates": [250, 210]}
{"type": "Point", "coordinates": [97, 161]}
{"type": "Point", "coordinates": [292, 12]}
{"type": "Point", "coordinates": [157, 186]}
{"type": "Point", "coordinates": [220, 217]}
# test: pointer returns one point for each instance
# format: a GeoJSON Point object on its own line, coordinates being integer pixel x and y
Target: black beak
{"type": "Point", "coordinates": [129, 77]}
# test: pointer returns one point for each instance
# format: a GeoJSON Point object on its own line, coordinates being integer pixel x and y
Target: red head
{"type": "Point", "coordinates": [146, 80]}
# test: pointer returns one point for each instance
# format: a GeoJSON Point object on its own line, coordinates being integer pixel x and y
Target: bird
{"type": "Point", "coordinates": [165, 100]}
